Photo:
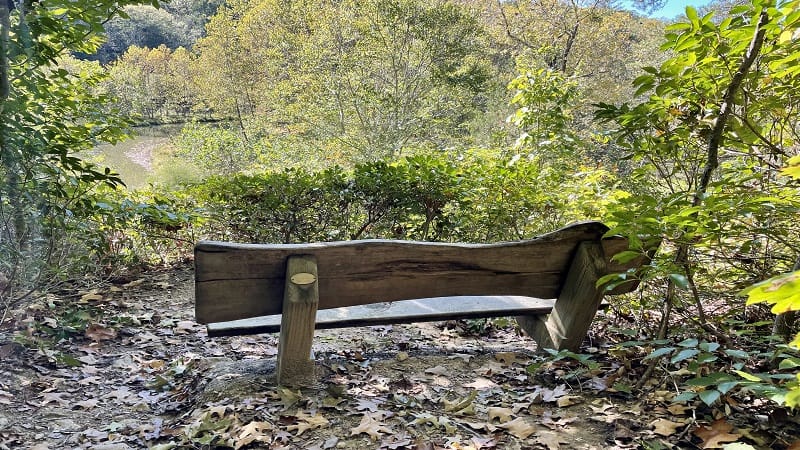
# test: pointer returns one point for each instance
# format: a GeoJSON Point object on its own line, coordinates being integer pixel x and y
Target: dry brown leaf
{"type": "Point", "coordinates": [55, 397]}
{"type": "Point", "coordinates": [481, 383]}
{"type": "Point", "coordinates": [97, 332]}
{"type": "Point", "coordinates": [506, 358]}
{"type": "Point", "coordinates": [568, 400]}
{"type": "Point", "coordinates": [5, 397]}
{"type": "Point", "coordinates": [185, 326]}
{"type": "Point", "coordinates": [501, 414]}
{"type": "Point", "coordinates": [371, 427]}
{"type": "Point", "coordinates": [519, 427]}
{"type": "Point", "coordinates": [677, 409]}
{"type": "Point", "coordinates": [91, 297]}
{"type": "Point", "coordinates": [716, 434]}
{"type": "Point", "coordinates": [550, 439]}
{"type": "Point", "coordinates": [87, 404]}
{"type": "Point", "coordinates": [252, 432]}
{"type": "Point", "coordinates": [794, 446]}
{"type": "Point", "coordinates": [438, 370]}
{"type": "Point", "coordinates": [134, 283]}
{"type": "Point", "coordinates": [307, 422]}
{"type": "Point", "coordinates": [665, 427]}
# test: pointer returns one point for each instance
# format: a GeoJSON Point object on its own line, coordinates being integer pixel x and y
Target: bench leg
{"type": "Point", "coordinates": [567, 324]}
{"type": "Point", "coordinates": [300, 301]}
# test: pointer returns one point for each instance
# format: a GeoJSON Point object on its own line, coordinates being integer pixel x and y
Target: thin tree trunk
{"type": "Point", "coordinates": [712, 163]}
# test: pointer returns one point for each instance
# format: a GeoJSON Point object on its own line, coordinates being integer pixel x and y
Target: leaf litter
{"type": "Point", "coordinates": [126, 366]}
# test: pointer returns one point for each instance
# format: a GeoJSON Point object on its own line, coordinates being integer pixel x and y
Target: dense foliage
{"type": "Point", "coordinates": [387, 118]}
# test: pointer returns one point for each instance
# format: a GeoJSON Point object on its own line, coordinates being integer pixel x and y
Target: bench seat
{"type": "Point", "coordinates": [405, 311]}
{"type": "Point", "coordinates": [297, 288]}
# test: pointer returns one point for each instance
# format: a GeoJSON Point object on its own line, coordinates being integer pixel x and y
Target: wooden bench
{"type": "Point", "coordinates": [548, 283]}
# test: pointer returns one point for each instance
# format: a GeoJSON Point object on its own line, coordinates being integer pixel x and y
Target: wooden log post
{"type": "Point", "coordinates": [568, 323]}
{"type": "Point", "coordinates": [300, 301]}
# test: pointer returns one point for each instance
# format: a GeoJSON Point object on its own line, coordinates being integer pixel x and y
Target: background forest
{"type": "Point", "coordinates": [459, 120]}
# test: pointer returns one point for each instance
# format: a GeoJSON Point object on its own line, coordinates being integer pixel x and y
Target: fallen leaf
{"type": "Point", "coordinates": [55, 397]}
{"type": "Point", "coordinates": [368, 405]}
{"type": "Point", "coordinates": [480, 443]}
{"type": "Point", "coordinates": [481, 383]}
{"type": "Point", "coordinates": [462, 404]}
{"type": "Point", "coordinates": [438, 370]}
{"type": "Point", "coordinates": [289, 397]}
{"type": "Point", "coordinates": [307, 422]}
{"type": "Point", "coordinates": [134, 283]}
{"type": "Point", "coordinates": [87, 404]}
{"type": "Point", "coordinates": [501, 414]}
{"type": "Point", "coordinates": [5, 397]}
{"type": "Point", "coordinates": [506, 358]}
{"type": "Point", "coordinates": [91, 296]}
{"type": "Point", "coordinates": [97, 332]}
{"type": "Point", "coordinates": [568, 400]}
{"type": "Point", "coordinates": [252, 432]}
{"type": "Point", "coordinates": [550, 439]}
{"type": "Point", "coordinates": [371, 427]}
{"type": "Point", "coordinates": [716, 434]}
{"type": "Point", "coordinates": [665, 427]}
{"type": "Point", "coordinates": [185, 326]}
{"type": "Point", "coordinates": [676, 409]}
{"type": "Point", "coordinates": [519, 427]}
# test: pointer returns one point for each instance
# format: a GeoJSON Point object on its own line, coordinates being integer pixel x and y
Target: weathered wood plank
{"type": "Point", "coordinates": [295, 366]}
{"type": "Point", "coordinates": [406, 311]}
{"type": "Point", "coordinates": [239, 281]}
{"type": "Point", "coordinates": [566, 326]}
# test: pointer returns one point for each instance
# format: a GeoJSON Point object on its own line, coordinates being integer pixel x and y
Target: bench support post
{"type": "Point", "coordinates": [300, 301]}
{"type": "Point", "coordinates": [566, 326]}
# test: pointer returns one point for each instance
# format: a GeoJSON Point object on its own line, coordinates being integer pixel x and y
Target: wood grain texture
{"type": "Point", "coordinates": [405, 311]}
{"type": "Point", "coordinates": [239, 281]}
{"type": "Point", "coordinates": [295, 366]}
{"type": "Point", "coordinates": [569, 321]}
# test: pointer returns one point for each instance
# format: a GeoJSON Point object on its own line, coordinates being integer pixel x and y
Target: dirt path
{"type": "Point", "coordinates": [138, 372]}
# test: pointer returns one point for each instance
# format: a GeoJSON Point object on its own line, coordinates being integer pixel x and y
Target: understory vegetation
{"type": "Point", "coordinates": [440, 121]}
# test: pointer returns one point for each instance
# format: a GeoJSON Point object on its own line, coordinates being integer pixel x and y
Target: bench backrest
{"type": "Point", "coordinates": [239, 281]}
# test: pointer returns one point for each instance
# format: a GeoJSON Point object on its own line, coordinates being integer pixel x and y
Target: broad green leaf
{"type": "Point", "coordinates": [690, 342]}
{"type": "Point", "coordinates": [709, 346]}
{"type": "Point", "coordinates": [658, 353]}
{"type": "Point", "coordinates": [709, 396]}
{"type": "Point", "coordinates": [684, 355]}
{"type": "Point", "coordinates": [680, 280]}
{"type": "Point", "coordinates": [736, 353]}
{"type": "Point", "coordinates": [685, 396]}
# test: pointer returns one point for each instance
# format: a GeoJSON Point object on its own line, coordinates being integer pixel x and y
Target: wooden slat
{"type": "Point", "coordinates": [238, 281]}
{"type": "Point", "coordinates": [406, 311]}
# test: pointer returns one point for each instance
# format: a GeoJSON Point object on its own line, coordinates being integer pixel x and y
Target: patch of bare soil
{"type": "Point", "coordinates": [126, 366]}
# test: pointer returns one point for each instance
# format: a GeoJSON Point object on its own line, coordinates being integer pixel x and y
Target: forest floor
{"type": "Point", "coordinates": [125, 366]}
